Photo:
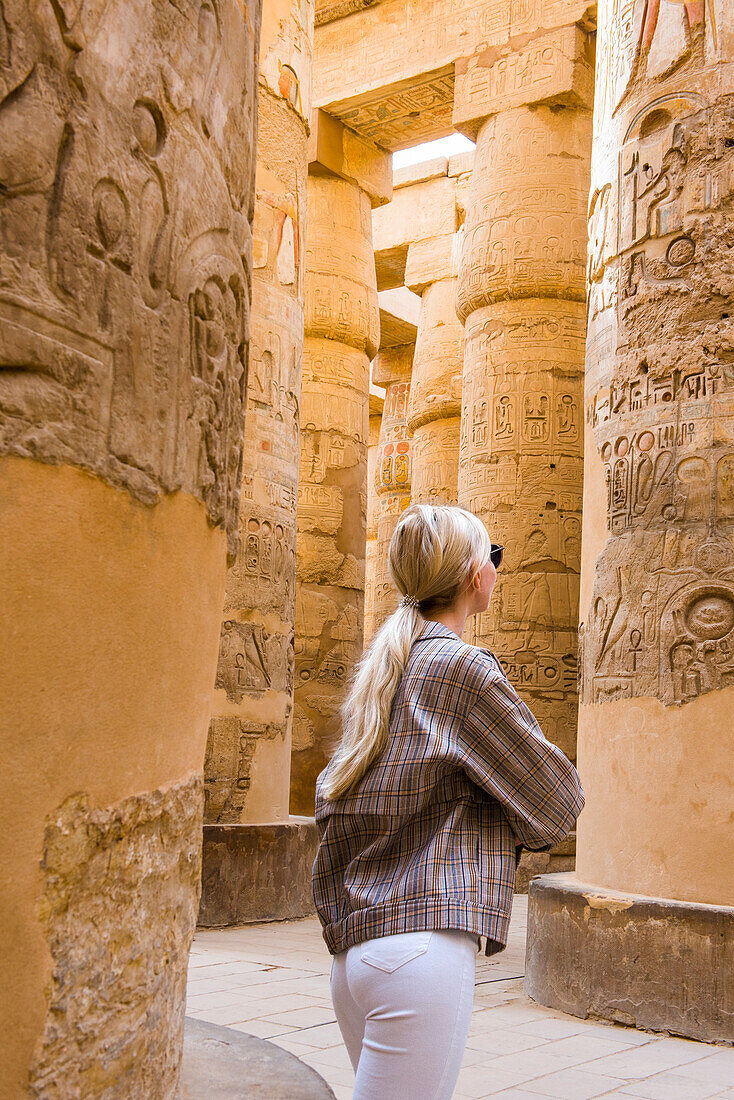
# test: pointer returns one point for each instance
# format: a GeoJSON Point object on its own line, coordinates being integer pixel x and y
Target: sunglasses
{"type": "Point", "coordinates": [495, 555]}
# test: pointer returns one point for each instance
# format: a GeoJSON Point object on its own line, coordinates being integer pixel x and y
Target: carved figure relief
{"type": "Point", "coordinates": [115, 280]}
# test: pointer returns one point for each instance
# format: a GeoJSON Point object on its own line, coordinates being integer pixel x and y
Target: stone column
{"type": "Point", "coordinates": [124, 324]}
{"type": "Point", "coordinates": [347, 175]}
{"type": "Point", "coordinates": [656, 739]}
{"type": "Point", "coordinates": [434, 410]}
{"type": "Point", "coordinates": [376, 405]}
{"type": "Point", "coordinates": [521, 292]}
{"type": "Point", "coordinates": [261, 869]}
{"type": "Point", "coordinates": [391, 369]}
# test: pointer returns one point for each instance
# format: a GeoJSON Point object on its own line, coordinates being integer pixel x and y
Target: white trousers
{"type": "Point", "coordinates": [403, 1004]}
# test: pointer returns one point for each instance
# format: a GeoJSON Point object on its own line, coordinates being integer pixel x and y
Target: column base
{"type": "Point", "coordinates": [220, 1063]}
{"type": "Point", "coordinates": [652, 963]}
{"type": "Point", "coordinates": [257, 872]}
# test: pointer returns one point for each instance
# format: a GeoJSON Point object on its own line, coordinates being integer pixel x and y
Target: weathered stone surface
{"type": "Point", "coordinates": [119, 908]}
{"type": "Point", "coordinates": [531, 864]}
{"type": "Point", "coordinates": [220, 1063]}
{"type": "Point", "coordinates": [342, 335]}
{"type": "Point", "coordinates": [415, 236]}
{"type": "Point", "coordinates": [125, 307]}
{"type": "Point", "coordinates": [124, 328]}
{"type": "Point", "coordinates": [329, 10]}
{"type": "Point", "coordinates": [429, 260]}
{"type": "Point", "coordinates": [652, 963]}
{"type": "Point", "coordinates": [525, 232]}
{"type": "Point", "coordinates": [257, 872]}
{"type": "Point", "coordinates": [660, 385]}
{"type": "Point", "coordinates": [395, 331]}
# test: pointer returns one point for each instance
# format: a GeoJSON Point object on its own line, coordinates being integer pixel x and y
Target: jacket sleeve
{"type": "Point", "coordinates": [506, 754]}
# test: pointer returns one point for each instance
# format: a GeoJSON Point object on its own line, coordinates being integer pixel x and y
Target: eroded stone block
{"type": "Point", "coordinates": [119, 900]}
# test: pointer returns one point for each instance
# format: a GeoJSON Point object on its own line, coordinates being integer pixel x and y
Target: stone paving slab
{"type": "Point", "coordinates": [272, 980]}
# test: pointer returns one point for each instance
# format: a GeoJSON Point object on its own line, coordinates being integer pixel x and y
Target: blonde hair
{"type": "Point", "coordinates": [433, 552]}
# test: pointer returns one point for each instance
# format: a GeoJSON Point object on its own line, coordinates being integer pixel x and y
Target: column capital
{"type": "Point", "coordinates": [334, 150]}
{"type": "Point", "coordinates": [553, 68]}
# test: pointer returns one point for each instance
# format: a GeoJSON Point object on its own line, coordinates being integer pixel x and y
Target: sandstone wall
{"type": "Point", "coordinates": [124, 325]}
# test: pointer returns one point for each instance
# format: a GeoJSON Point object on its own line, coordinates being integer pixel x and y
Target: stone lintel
{"type": "Point", "coordinates": [257, 872]}
{"type": "Point", "coordinates": [395, 331]}
{"type": "Point", "coordinates": [421, 211]}
{"type": "Point", "coordinates": [430, 260]}
{"type": "Point", "coordinates": [550, 67]}
{"type": "Point", "coordinates": [393, 364]}
{"type": "Point", "coordinates": [328, 11]}
{"type": "Point", "coordinates": [461, 164]}
{"type": "Point", "coordinates": [334, 150]}
{"type": "Point", "coordinates": [653, 963]}
{"type": "Point", "coordinates": [419, 173]}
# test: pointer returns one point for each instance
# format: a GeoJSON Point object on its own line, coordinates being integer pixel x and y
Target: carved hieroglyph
{"type": "Point", "coordinates": [124, 305]}
{"type": "Point", "coordinates": [434, 411]}
{"type": "Point", "coordinates": [342, 336]}
{"type": "Point", "coordinates": [657, 603]}
{"type": "Point", "coordinates": [392, 369]}
{"type": "Point", "coordinates": [248, 754]}
{"type": "Point", "coordinates": [660, 378]}
{"type": "Point", "coordinates": [521, 290]}
{"type": "Point", "coordinates": [126, 171]}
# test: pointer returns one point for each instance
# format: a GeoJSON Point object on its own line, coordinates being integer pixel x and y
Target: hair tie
{"type": "Point", "coordinates": [410, 601]}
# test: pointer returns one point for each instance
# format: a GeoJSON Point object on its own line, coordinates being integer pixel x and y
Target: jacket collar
{"type": "Point", "coordinates": [436, 630]}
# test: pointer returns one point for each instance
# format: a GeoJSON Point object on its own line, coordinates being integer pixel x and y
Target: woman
{"type": "Point", "coordinates": [440, 775]}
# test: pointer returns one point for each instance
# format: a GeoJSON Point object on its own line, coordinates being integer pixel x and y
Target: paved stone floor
{"type": "Point", "coordinates": [272, 980]}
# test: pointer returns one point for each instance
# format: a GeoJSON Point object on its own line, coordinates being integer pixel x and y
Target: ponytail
{"type": "Point", "coordinates": [433, 552]}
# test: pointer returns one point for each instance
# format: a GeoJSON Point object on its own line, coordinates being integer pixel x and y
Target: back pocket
{"type": "Point", "coordinates": [389, 953]}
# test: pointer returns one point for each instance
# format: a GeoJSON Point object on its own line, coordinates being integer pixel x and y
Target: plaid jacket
{"type": "Point", "coordinates": [427, 838]}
